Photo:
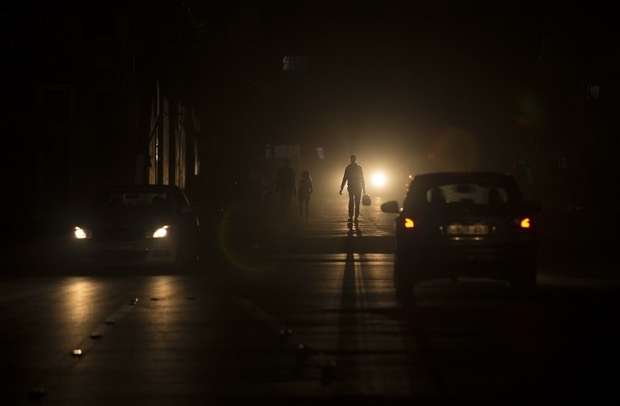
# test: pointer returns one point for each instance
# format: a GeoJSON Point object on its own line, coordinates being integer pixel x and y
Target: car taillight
{"type": "Point", "coordinates": [408, 222]}
{"type": "Point", "coordinates": [521, 222]}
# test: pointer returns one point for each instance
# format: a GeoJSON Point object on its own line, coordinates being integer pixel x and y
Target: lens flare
{"type": "Point", "coordinates": [241, 237]}
{"type": "Point", "coordinates": [455, 149]}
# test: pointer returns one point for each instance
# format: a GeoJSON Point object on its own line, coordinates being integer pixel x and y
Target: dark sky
{"type": "Point", "coordinates": [379, 70]}
{"type": "Point", "coordinates": [399, 71]}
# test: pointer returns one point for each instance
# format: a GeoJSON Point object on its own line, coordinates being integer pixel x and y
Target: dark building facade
{"type": "Point", "coordinates": [577, 143]}
{"type": "Point", "coordinates": [87, 102]}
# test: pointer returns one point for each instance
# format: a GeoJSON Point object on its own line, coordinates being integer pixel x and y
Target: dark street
{"type": "Point", "coordinates": [458, 166]}
{"type": "Point", "coordinates": [305, 314]}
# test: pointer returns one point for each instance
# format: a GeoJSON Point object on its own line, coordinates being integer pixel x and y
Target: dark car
{"type": "Point", "coordinates": [140, 224]}
{"type": "Point", "coordinates": [464, 224]}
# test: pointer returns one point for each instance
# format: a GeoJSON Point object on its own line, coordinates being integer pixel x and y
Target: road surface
{"type": "Point", "coordinates": [298, 313]}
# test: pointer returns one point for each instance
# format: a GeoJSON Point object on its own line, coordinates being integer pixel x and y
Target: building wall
{"type": "Point", "coordinates": [74, 117]}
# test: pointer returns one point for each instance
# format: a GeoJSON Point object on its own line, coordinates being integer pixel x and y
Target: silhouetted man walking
{"type": "Point", "coordinates": [354, 179]}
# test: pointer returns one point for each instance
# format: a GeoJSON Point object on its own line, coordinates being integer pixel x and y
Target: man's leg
{"type": "Point", "coordinates": [351, 204]}
{"type": "Point", "coordinates": [286, 204]}
{"type": "Point", "coordinates": [358, 197]}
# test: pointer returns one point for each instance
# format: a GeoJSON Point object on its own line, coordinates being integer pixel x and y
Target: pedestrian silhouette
{"type": "Point", "coordinates": [354, 179]}
{"type": "Point", "coordinates": [285, 186]}
{"type": "Point", "coordinates": [305, 190]}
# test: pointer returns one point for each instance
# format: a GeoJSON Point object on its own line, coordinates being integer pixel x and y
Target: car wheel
{"type": "Point", "coordinates": [523, 280]}
{"type": "Point", "coordinates": [403, 278]}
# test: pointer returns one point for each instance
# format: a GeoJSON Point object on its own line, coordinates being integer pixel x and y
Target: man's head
{"type": "Point", "coordinates": [353, 158]}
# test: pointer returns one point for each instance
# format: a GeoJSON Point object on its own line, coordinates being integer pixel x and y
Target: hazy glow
{"type": "Point", "coordinates": [409, 223]}
{"type": "Point", "coordinates": [378, 179]}
{"type": "Point", "coordinates": [76, 297]}
{"type": "Point", "coordinates": [455, 149]}
{"type": "Point", "coordinates": [163, 290]}
{"type": "Point", "coordinates": [525, 223]}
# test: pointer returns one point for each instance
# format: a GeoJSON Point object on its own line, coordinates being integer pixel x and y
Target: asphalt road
{"type": "Point", "coordinates": [302, 313]}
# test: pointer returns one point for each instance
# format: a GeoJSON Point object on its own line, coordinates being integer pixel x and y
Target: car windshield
{"type": "Point", "coordinates": [474, 193]}
{"type": "Point", "coordinates": [118, 202]}
{"type": "Point", "coordinates": [453, 190]}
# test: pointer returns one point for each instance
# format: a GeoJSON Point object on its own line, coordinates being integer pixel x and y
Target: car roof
{"type": "Point", "coordinates": [475, 176]}
{"type": "Point", "coordinates": [422, 183]}
{"type": "Point", "coordinates": [141, 188]}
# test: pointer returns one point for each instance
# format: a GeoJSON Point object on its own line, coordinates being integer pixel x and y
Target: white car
{"type": "Point", "coordinates": [141, 224]}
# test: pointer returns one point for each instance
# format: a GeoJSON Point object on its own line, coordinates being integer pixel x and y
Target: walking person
{"type": "Point", "coordinates": [354, 179]}
{"type": "Point", "coordinates": [285, 186]}
{"type": "Point", "coordinates": [305, 190]}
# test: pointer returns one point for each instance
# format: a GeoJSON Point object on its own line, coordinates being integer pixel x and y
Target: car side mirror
{"type": "Point", "coordinates": [390, 207]}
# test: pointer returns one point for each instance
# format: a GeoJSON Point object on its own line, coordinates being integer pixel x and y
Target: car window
{"type": "Point", "coordinates": [448, 190]}
{"type": "Point", "coordinates": [132, 202]}
{"type": "Point", "coordinates": [474, 193]}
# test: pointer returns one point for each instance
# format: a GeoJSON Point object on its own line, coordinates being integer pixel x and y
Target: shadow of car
{"type": "Point", "coordinates": [464, 224]}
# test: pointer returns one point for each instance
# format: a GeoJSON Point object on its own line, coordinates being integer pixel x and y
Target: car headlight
{"type": "Point", "coordinates": [161, 232]}
{"type": "Point", "coordinates": [81, 233]}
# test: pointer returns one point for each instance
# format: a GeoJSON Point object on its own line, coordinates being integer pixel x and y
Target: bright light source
{"type": "Point", "coordinates": [525, 223]}
{"type": "Point", "coordinates": [378, 179]}
{"type": "Point", "coordinates": [80, 233]}
{"type": "Point", "coordinates": [409, 223]}
{"type": "Point", "coordinates": [161, 232]}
